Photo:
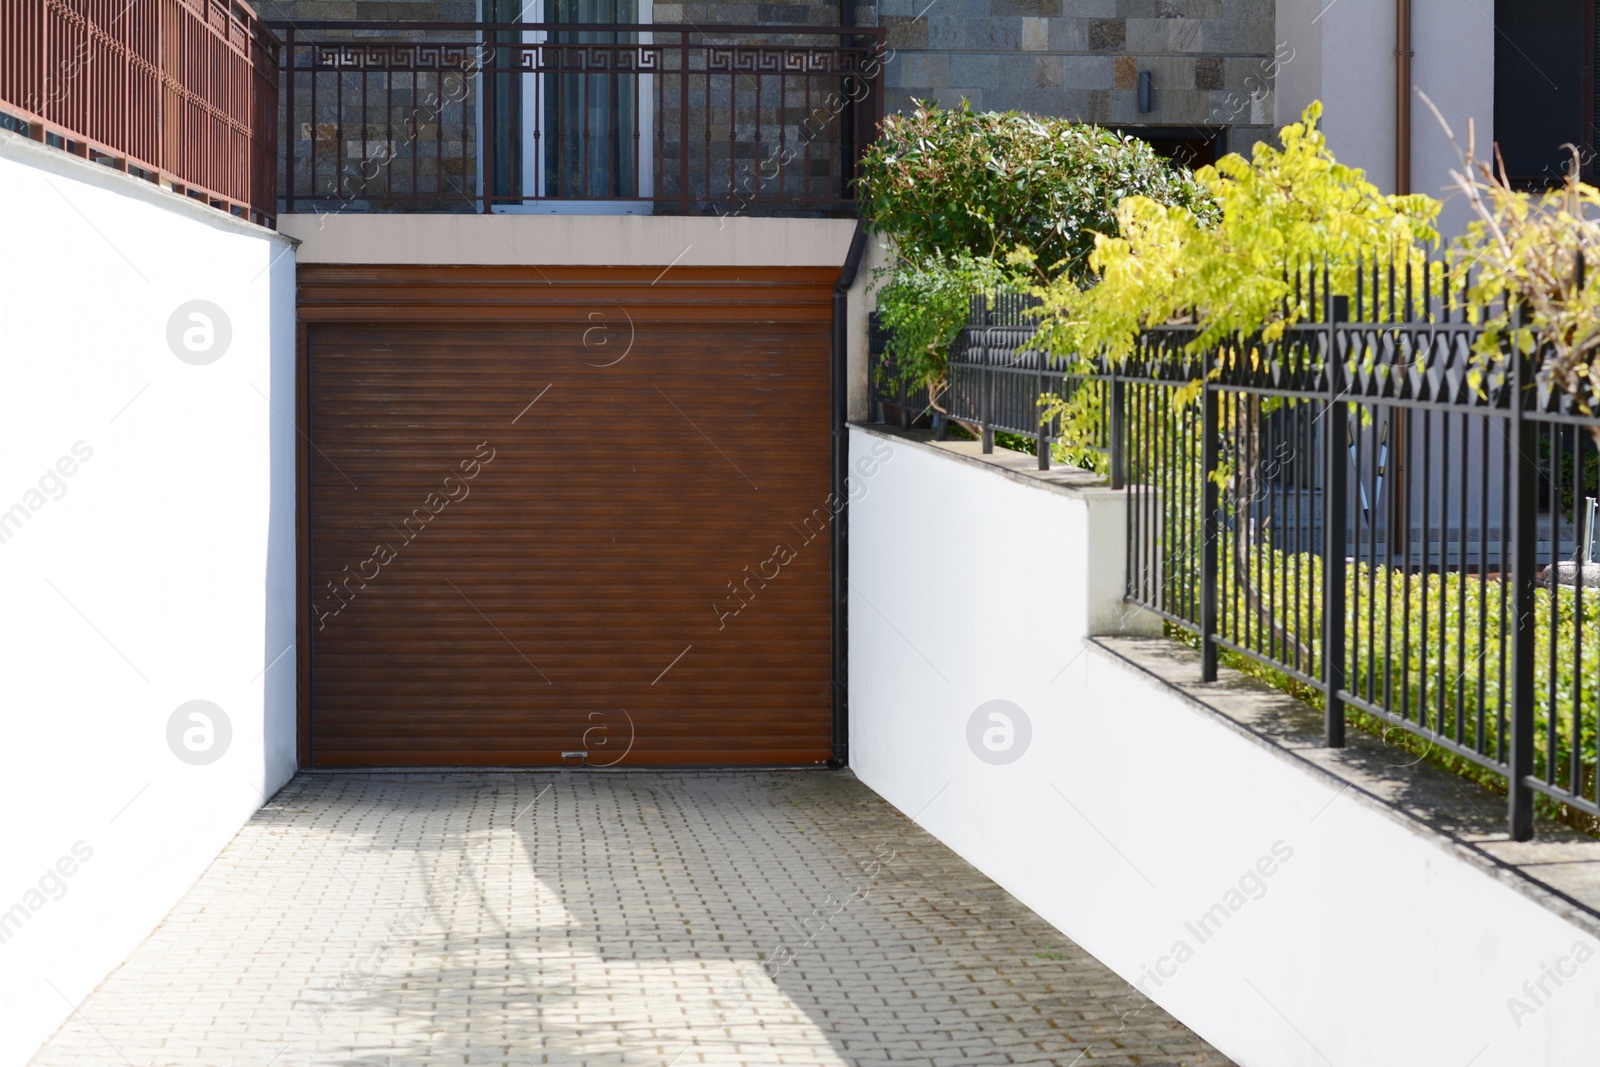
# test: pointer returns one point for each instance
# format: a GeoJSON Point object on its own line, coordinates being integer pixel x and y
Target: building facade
{"type": "Point", "coordinates": [1193, 76]}
{"type": "Point", "coordinates": [1207, 66]}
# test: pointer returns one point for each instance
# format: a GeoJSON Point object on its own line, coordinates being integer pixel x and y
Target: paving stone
{"type": "Point", "coordinates": [605, 919]}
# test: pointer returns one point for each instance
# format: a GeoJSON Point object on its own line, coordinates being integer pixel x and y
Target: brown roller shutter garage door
{"type": "Point", "coordinates": [561, 509]}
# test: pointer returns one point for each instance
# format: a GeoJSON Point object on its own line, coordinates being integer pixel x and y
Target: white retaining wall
{"type": "Point", "coordinates": [146, 561]}
{"type": "Point", "coordinates": [1285, 919]}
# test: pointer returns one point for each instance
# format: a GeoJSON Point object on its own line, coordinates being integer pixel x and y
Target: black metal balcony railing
{"type": "Point", "coordinates": [1351, 507]}
{"type": "Point", "coordinates": [460, 117]}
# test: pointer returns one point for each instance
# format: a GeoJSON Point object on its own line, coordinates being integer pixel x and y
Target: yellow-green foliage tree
{"type": "Point", "coordinates": [1525, 249]}
{"type": "Point", "coordinates": [1285, 208]}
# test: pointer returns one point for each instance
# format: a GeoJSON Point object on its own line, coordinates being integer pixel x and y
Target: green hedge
{"type": "Point", "coordinates": [1469, 639]}
{"type": "Point", "coordinates": [960, 192]}
{"type": "Point", "coordinates": [946, 181]}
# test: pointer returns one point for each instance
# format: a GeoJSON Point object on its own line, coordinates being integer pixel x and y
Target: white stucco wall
{"type": "Point", "coordinates": [1347, 935]}
{"type": "Point", "coordinates": [1299, 76]}
{"type": "Point", "coordinates": [1344, 56]}
{"type": "Point", "coordinates": [877, 256]}
{"type": "Point", "coordinates": [151, 562]}
{"type": "Point", "coordinates": [1454, 65]}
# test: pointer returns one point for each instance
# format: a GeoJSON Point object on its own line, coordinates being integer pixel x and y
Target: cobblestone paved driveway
{"type": "Point", "coordinates": [602, 918]}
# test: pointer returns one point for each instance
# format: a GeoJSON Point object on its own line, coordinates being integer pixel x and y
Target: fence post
{"type": "Point", "coordinates": [847, 117]}
{"type": "Point", "coordinates": [1043, 441]}
{"type": "Point", "coordinates": [1524, 561]}
{"type": "Point", "coordinates": [683, 120]}
{"type": "Point", "coordinates": [489, 85]}
{"type": "Point", "coordinates": [286, 73]}
{"type": "Point", "coordinates": [1335, 512]}
{"type": "Point", "coordinates": [1211, 549]}
{"type": "Point", "coordinates": [987, 424]}
{"type": "Point", "coordinates": [1117, 431]}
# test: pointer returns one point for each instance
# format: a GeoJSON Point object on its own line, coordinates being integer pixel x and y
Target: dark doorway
{"type": "Point", "coordinates": [1544, 88]}
{"type": "Point", "coordinates": [1188, 146]}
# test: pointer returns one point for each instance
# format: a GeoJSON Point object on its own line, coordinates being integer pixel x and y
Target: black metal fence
{"type": "Point", "coordinates": [995, 382]}
{"type": "Point", "coordinates": [518, 116]}
{"type": "Point", "coordinates": [1364, 506]}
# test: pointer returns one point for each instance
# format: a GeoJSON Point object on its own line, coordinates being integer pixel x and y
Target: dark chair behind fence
{"type": "Point", "coordinates": [1350, 510]}
{"type": "Point", "coordinates": [514, 116]}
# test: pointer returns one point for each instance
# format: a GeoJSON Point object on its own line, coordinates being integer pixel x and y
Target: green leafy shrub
{"type": "Point", "coordinates": [1436, 665]}
{"type": "Point", "coordinates": [972, 200]}
{"type": "Point", "coordinates": [942, 181]}
{"type": "Point", "coordinates": [1444, 661]}
{"type": "Point", "coordinates": [924, 306]}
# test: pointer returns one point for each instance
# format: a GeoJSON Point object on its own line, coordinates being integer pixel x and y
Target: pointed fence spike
{"type": "Point", "coordinates": [1378, 312]}
{"type": "Point", "coordinates": [1410, 304]}
{"type": "Point", "coordinates": [1361, 286]}
{"type": "Point", "coordinates": [1428, 290]}
{"type": "Point", "coordinates": [1392, 288]}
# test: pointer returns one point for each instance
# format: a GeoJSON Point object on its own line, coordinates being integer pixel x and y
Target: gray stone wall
{"type": "Point", "coordinates": [1212, 64]}
{"type": "Point", "coordinates": [368, 10]}
{"type": "Point", "coordinates": [706, 14]}
{"type": "Point", "coordinates": [1211, 60]}
{"type": "Point", "coordinates": [790, 13]}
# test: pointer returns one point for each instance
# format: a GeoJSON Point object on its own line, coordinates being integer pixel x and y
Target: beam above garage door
{"type": "Point", "coordinates": [517, 240]}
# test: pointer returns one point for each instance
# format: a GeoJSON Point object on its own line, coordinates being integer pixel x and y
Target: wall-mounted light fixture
{"type": "Point", "coordinates": [1147, 92]}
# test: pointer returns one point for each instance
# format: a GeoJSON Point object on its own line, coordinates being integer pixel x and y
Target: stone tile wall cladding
{"type": "Point", "coordinates": [709, 15]}
{"type": "Point", "coordinates": [1211, 60]}
{"type": "Point", "coordinates": [800, 13]}
{"type": "Point", "coordinates": [419, 129]}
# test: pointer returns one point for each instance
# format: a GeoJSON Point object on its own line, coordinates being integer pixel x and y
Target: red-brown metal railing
{"type": "Point", "coordinates": [182, 92]}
